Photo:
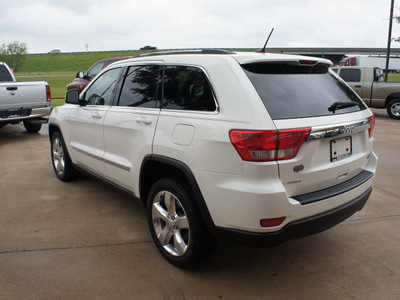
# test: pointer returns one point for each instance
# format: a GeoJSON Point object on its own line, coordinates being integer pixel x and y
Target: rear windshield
{"type": "Point", "coordinates": [4, 74]}
{"type": "Point", "coordinates": [301, 91]}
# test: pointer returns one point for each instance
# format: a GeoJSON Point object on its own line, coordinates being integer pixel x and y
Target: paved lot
{"type": "Point", "coordinates": [86, 240]}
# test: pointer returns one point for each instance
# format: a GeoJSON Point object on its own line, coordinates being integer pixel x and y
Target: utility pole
{"type": "Point", "coordinates": [389, 40]}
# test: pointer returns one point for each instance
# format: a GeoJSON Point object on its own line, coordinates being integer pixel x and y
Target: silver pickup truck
{"type": "Point", "coordinates": [368, 83]}
{"type": "Point", "coordinates": [29, 102]}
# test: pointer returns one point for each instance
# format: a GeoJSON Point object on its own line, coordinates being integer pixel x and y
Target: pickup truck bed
{"type": "Point", "coordinates": [29, 102]}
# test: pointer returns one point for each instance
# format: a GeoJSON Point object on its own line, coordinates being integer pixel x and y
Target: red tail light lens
{"type": "Point", "coordinates": [268, 145]}
{"type": "Point", "coordinates": [48, 93]}
{"type": "Point", "coordinates": [272, 222]}
{"type": "Point", "coordinates": [371, 121]}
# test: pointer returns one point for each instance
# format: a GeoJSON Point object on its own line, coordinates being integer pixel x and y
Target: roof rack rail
{"type": "Point", "coordinates": [203, 51]}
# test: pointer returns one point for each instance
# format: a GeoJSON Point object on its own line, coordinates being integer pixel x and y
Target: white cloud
{"type": "Point", "coordinates": [131, 24]}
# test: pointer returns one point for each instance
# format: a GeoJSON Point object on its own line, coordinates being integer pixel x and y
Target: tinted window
{"type": "Point", "coordinates": [299, 92]}
{"type": "Point", "coordinates": [187, 88]}
{"type": "Point", "coordinates": [140, 88]}
{"type": "Point", "coordinates": [93, 71]}
{"type": "Point", "coordinates": [101, 91]}
{"type": "Point", "coordinates": [4, 74]}
{"type": "Point", "coordinates": [351, 75]}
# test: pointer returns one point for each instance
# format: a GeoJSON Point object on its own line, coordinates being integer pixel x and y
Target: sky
{"type": "Point", "coordinates": [105, 25]}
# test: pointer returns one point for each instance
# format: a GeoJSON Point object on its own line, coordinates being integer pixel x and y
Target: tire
{"type": "Point", "coordinates": [60, 159]}
{"type": "Point", "coordinates": [175, 224]}
{"type": "Point", "coordinates": [393, 108]}
{"type": "Point", "coordinates": [31, 127]}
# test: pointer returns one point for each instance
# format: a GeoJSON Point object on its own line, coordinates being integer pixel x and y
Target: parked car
{"type": "Point", "coordinates": [28, 102]}
{"type": "Point", "coordinates": [253, 147]}
{"type": "Point", "coordinates": [83, 79]}
{"type": "Point", "coordinates": [147, 48]}
{"type": "Point", "coordinates": [55, 51]}
{"type": "Point", "coordinates": [368, 83]}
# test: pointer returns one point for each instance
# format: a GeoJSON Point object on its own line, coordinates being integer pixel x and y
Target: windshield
{"type": "Point", "coordinates": [301, 91]}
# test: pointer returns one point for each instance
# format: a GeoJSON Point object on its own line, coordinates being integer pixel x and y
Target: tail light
{"type": "Point", "coordinates": [371, 121]}
{"type": "Point", "coordinates": [268, 145]}
{"type": "Point", "coordinates": [48, 93]}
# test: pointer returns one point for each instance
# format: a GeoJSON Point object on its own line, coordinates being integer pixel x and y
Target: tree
{"type": "Point", "coordinates": [14, 54]}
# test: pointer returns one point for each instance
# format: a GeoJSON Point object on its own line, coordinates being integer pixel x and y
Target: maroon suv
{"type": "Point", "coordinates": [82, 80]}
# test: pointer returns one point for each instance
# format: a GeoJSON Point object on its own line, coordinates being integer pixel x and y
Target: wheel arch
{"type": "Point", "coordinates": [53, 128]}
{"type": "Point", "coordinates": [391, 97]}
{"type": "Point", "coordinates": [155, 167]}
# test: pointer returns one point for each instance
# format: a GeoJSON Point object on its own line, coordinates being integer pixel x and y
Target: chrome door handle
{"type": "Point", "coordinates": [144, 120]}
{"type": "Point", "coordinates": [96, 115]}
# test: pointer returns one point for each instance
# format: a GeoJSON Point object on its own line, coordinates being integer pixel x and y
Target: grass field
{"type": "Point", "coordinates": [66, 64]}
{"type": "Point", "coordinates": [60, 69]}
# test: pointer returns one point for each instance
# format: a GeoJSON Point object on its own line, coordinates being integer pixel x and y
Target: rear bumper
{"type": "Point", "coordinates": [38, 115]}
{"type": "Point", "coordinates": [296, 229]}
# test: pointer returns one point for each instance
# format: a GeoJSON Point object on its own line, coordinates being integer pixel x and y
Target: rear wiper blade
{"type": "Point", "coordinates": [341, 105]}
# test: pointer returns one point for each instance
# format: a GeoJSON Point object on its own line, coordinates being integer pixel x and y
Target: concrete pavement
{"type": "Point", "coordinates": [86, 240]}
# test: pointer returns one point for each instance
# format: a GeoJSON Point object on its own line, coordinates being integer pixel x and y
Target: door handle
{"type": "Point", "coordinates": [12, 88]}
{"type": "Point", "coordinates": [144, 120]}
{"type": "Point", "coordinates": [358, 86]}
{"type": "Point", "coordinates": [96, 115]}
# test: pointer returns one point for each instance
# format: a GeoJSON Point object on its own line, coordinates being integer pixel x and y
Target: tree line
{"type": "Point", "coordinates": [13, 54]}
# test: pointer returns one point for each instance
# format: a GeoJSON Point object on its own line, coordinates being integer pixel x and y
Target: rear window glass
{"type": "Point", "coordinates": [301, 91]}
{"type": "Point", "coordinates": [351, 75]}
{"type": "Point", "coordinates": [187, 88]}
{"type": "Point", "coordinates": [4, 74]}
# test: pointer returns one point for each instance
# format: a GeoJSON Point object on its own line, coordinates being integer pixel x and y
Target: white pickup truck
{"type": "Point", "coordinates": [29, 102]}
{"type": "Point", "coordinates": [368, 83]}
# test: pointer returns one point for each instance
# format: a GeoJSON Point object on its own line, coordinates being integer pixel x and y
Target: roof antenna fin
{"type": "Point", "coordinates": [265, 45]}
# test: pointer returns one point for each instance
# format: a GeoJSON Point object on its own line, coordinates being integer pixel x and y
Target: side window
{"type": "Point", "coordinates": [378, 75]}
{"type": "Point", "coordinates": [140, 88]}
{"type": "Point", "coordinates": [4, 74]}
{"type": "Point", "coordinates": [187, 88]}
{"type": "Point", "coordinates": [351, 75]}
{"type": "Point", "coordinates": [101, 91]}
{"type": "Point", "coordinates": [95, 69]}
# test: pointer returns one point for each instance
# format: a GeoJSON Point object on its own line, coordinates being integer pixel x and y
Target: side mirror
{"type": "Point", "coordinates": [72, 97]}
{"type": "Point", "coordinates": [80, 74]}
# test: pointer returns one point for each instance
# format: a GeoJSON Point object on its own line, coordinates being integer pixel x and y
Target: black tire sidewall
{"type": "Point", "coordinates": [69, 171]}
{"type": "Point", "coordinates": [199, 237]}
{"type": "Point", "coordinates": [389, 110]}
{"type": "Point", "coordinates": [31, 127]}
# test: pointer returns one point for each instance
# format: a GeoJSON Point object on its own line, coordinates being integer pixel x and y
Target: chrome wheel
{"type": "Point", "coordinates": [170, 223]}
{"type": "Point", "coordinates": [395, 109]}
{"type": "Point", "coordinates": [58, 156]}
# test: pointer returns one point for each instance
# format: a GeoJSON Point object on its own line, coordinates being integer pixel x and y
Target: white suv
{"type": "Point", "coordinates": [253, 147]}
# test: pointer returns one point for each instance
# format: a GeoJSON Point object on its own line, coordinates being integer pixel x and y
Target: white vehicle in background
{"type": "Point", "coordinates": [255, 147]}
{"type": "Point", "coordinates": [370, 61]}
{"type": "Point", "coordinates": [28, 102]}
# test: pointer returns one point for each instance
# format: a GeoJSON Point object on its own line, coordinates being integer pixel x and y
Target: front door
{"type": "Point", "coordinates": [86, 122]}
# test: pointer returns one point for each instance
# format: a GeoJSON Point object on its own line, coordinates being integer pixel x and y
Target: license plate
{"type": "Point", "coordinates": [341, 148]}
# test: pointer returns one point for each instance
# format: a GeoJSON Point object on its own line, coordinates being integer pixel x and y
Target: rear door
{"type": "Point", "coordinates": [130, 124]}
{"type": "Point", "coordinates": [357, 80]}
{"type": "Point", "coordinates": [311, 97]}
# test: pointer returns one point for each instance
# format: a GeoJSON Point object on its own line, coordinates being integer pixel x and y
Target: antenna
{"type": "Point", "coordinates": [265, 45]}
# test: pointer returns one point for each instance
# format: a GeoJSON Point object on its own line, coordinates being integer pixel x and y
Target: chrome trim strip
{"type": "Point", "coordinates": [102, 159]}
{"type": "Point", "coordinates": [333, 131]}
{"type": "Point", "coordinates": [113, 163]}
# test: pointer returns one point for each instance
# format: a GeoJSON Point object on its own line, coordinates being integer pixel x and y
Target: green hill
{"type": "Point", "coordinates": [66, 63]}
